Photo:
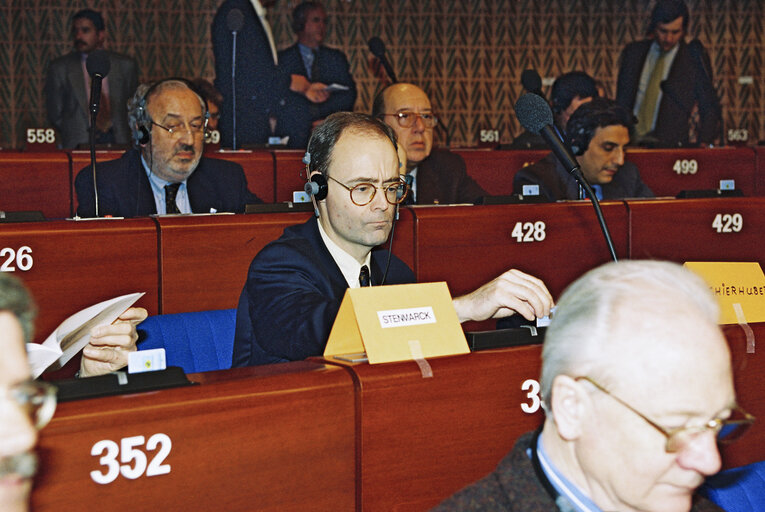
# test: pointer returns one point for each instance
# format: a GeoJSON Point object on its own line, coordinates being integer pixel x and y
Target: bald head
{"type": "Point", "coordinates": [416, 139]}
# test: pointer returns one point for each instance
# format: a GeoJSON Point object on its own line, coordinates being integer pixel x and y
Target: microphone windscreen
{"type": "Point", "coordinates": [531, 81]}
{"type": "Point", "coordinates": [533, 112]}
{"type": "Point", "coordinates": [376, 46]}
{"type": "Point", "coordinates": [235, 20]}
{"type": "Point", "coordinates": [98, 63]}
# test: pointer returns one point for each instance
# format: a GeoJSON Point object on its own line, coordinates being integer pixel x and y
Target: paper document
{"type": "Point", "coordinates": [74, 333]}
{"type": "Point", "coordinates": [336, 87]}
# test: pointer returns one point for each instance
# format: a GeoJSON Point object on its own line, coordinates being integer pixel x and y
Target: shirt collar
{"type": "Point", "coordinates": [348, 265]}
{"type": "Point", "coordinates": [576, 499]}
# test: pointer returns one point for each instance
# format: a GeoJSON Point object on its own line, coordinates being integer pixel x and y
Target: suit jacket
{"type": "Point", "coordinates": [514, 487]}
{"type": "Point", "coordinates": [292, 295]}
{"type": "Point", "coordinates": [442, 178]}
{"type": "Point", "coordinates": [555, 183]}
{"type": "Point", "coordinates": [687, 84]}
{"type": "Point", "coordinates": [68, 106]}
{"type": "Point", "coordinates": [124, 189]}
{"type": "Point", "coordinates": [261, 87]}
{"type": "Point", "coordinates": [298, 112]}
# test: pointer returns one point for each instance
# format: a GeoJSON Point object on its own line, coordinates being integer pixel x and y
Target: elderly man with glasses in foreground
{"type": "Point", "coordinates": [435, 175]}
{"type": "Point", "coordinates": [295, 284]}
{"type": "Point", "coordinates": [638, 392]}
{"type": "Point", "coordinates": [26, 405]}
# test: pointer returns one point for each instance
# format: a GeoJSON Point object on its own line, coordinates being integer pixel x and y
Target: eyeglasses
{"type": "Point", "coordinates": [178, 129]}
{"type": "Point", "coordinates": [36, 398]}
{"type": "Point", "coordinates": [408, 118]}
{"type": "Point", "coordinates": [727, 430]}
{"type": "Point", "coordinates": [363, 193]}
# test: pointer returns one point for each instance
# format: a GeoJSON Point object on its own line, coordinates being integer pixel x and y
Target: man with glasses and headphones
{"type": "Point", "coordinates": [436, 175]}
{"type": "Point", "coordinates": [166, 172]}
{"type": "Point", "coordinates": [295, 284]}
{"type": "Point", "coordinates": [637, 388]}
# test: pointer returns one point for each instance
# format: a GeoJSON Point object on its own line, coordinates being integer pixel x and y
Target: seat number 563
{"type": "Point", "coordinates": [132, 456]}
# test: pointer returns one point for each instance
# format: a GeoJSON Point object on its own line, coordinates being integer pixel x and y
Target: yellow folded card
{"type": "Point", "coordinates": [383, 321]}
{"type": "Point", "coordinates": [737, 286]}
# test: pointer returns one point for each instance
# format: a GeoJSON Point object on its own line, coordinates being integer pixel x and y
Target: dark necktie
{"type": "Point", "coordinates": [364, 276]}
{"type": "Point", "coordinates": [171, 191]}
{"type": "Point", "coordinates": [315, 66]}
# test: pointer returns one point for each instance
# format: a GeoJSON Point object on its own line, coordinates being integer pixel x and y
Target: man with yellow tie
{"type": "Point", "coordinates": [662, 80]}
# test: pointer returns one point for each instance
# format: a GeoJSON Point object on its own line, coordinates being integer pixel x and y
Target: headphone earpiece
{"type": "Point", "coordinates": [142, 135]}
{"type": "Point", "coordinates": [317, 186]}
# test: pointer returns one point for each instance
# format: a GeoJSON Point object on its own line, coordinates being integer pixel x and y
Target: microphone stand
{"type": "Point", "coordinates": [233, 85]}
{"type": "Point", "coordinates": [95, 94]}
{"type": "Point", "coordinates": [577, 174]}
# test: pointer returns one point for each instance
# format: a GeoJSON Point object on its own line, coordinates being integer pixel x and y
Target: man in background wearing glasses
{"type": "Point", "coordinates": [295, 284]}
{"type": "Point", "coordinates": [436, 175]}
{"type": "Point", "coordinates": [166, 172]}
{"type": "Point", "coordinates": [638, 391]}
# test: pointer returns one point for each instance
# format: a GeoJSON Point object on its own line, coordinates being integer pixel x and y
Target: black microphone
{"type": "Point", "coordinates": [98, 66]}
{"type": "Point", "coordinates": [532, 82]}
{"type": "Point", "coordinates": [377, 47]}
{"type": "Point", "coordinates": [535, 115]}
{"type": "Point", "coordinates": [234, 22]}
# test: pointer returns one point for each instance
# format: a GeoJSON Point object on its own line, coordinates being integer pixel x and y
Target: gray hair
{"type": "Point", "coordinates": [591, 308]}
{"type": "Point", "coordinates": [15, 299]}
{"type": "Point", "coordinates": [137, 111]}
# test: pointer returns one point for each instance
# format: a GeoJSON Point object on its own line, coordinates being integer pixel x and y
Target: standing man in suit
{"type": "Point", "coordinates": [599, 132]}
{"type": "Point", "coordinates": [318, 63]}
{"type": "Point", "coordinates": [295, 284]}
{"type": "Point", "coordinates": [67, 88]}
{"type": "Point", "coordinates": [166, 172]}
{"type": "Point", "coordinates": [661, 79]}
{"type": "Point", "coordinates": [437, 175]}
{"type": "Point", "coordinates": [261, 86]}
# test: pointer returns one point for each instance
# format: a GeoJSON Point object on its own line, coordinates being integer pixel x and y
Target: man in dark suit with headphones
{"type": "Point", "coordinates": [599, 132]}
{"type": "Point", "coordinates": [295, 284]}
{"type": "Point", "coordinates": [166, 172]}
{"type": "Point", "coordinates": [662, 78]}
{"type": "Point", "coordinates": [637, 390]}
{"type": "Point", "coordinates": [318, 63]}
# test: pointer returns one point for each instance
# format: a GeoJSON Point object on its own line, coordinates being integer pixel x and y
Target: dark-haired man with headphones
{"type": "Point", "coordinates": [599, 132]}
{"type": "Point", "coordinates": [309, 57]}
{"type": "Point", "coordinates": [295, 284]}
{"type": "Point", "coordinates": [166, 172]}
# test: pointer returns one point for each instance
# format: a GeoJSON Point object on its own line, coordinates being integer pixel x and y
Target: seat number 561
{"type": "Point", "coordinates": [132, 456]}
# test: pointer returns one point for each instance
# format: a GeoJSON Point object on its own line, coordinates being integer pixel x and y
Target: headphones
{"type": "Point", "coordinates": [317, 186]}
{"type": "Point", "coordinates": [578, 140]}
{"type": "Point", "coordinates": [142, 127]}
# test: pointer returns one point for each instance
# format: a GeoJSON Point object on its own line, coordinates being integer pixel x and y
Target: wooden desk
{"type": "Point", "coordinates": [468, 246]}
{"type": "Point", "coordinates": [276, 438]}
{"type": "Point", "coordinates": [423, 439]}
{"type": "Point", "coordinates": [669, 171]}
{"type": "Point", "coordinates": [75, 264]}
{"type": "Point", "coordinates": [494, 170]}
{"type": "Point", "coordinates": [36, 181]}
{"type": "Point", "coordinates": [760, 162]}
{"type": "Point", "coordinates": [290, 173]}
{"type": "Point", "coordinates": [686, 230]}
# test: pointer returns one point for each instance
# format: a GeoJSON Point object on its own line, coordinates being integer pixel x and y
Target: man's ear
{"type": "Point", "coordinates": [571, 406]}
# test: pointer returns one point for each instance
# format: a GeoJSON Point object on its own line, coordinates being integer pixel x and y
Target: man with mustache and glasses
{"type": "Point", "coordinates": [67, 88]}
{"type": "Point", "coordinates": [166, 172]}
{"type": "Point", "coordinates": [436, 175]}
{"type": "Point", "coordinates": [637, 390]}
{"type": "Point", "coordinates": [599, 132]}
{"type": "Point", "coordinates": [295, 284]}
